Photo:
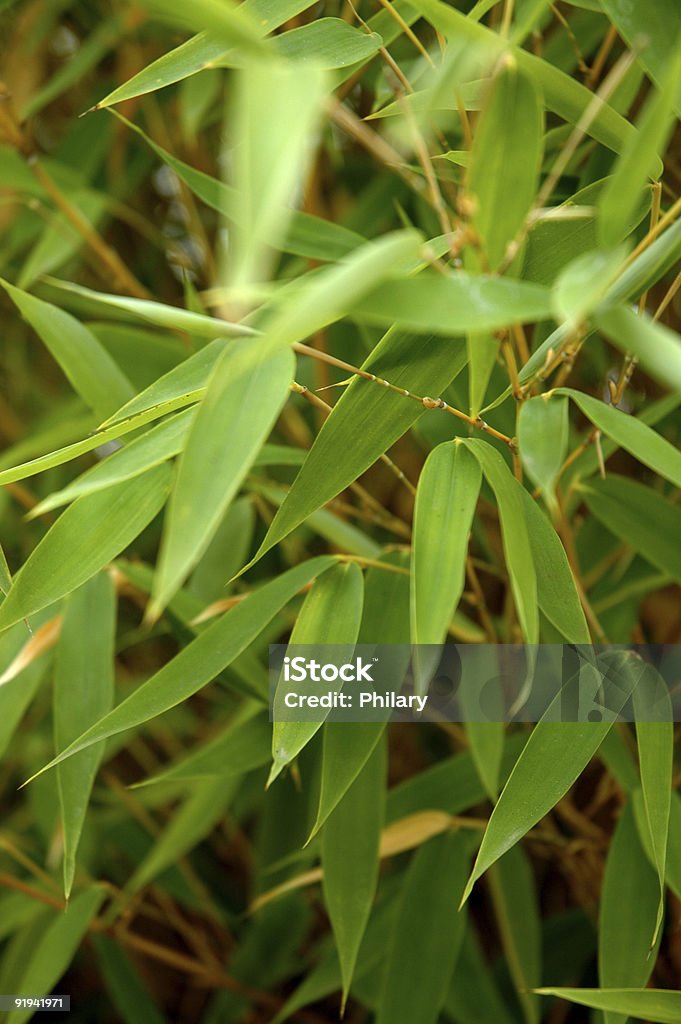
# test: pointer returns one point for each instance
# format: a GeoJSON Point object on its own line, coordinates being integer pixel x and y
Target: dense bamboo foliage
{"type": "Point", "coordinates": [334, 323]}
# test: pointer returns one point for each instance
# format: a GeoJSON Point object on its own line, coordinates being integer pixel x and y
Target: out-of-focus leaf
{"type": "Point", "coordinates": [56, 948]}
{"type": "Point", "coordinates": [627, 913]}
{"type": "Point", "coordinates": [659, 1006]}
{"type": "Point", "coordinates": [517, 546]}
{"type": "Point", "coordinates": [445, 504]}
{"type": "Point", "coordinates": [641, 157]}
{"type": "Point", "coordinates": [505, 159]}
{"type": "Point", "coordinates": [331, 615]}
{"type": "Point", "coordinates": [83, 693]}
{"type": "Point", "coordinates": [640, 517]}
{"type": "Point", "coordinates": [244, 744]}
{"type": "Point", "coordinates": [583, 283]}
{"type": "Point", "coordinates": [270, 150]}
{"type": "Point", "coordinates": [88, 366]}
{"type": "Point", "coordinates": [159, 314]}
{"type": "Point", "coordinates": [454, 303]}
{"type": "Point", "coordinates": [155, 446]}
{"type": "Point", "coordinates": [543, 430]}
{"type": "Point", "coordinates": [202, 659]}
{"type": "Point", "coordinates": [129, 994]}
{"type": "Point", "coordinates": [658, 26]}
{"type": "Point", "coordinates": [656, 347]}
{"type": "Point", "coordinates": [224, 20]}
{"type": "Point", "coordinates": [374, 417]}
{"type": "Point", "coordinates": [308, 236]}
{"type": "Point", "coordinates": [243, 397]}
{"type": "Point", "coordinates": [553, 758]}
{"type": "Point", "coordinates": [415, 982]}
{"type": "Point", "coordinates": [226, 552]}
{"type": "Point", "coordinates": [514, 897]}
{"type": "Point", "coordinates": [88, 535]}
{"type": "Point", "coordinates": [631, 434]}
{"type": "Point", "coordinates": [350, 860]}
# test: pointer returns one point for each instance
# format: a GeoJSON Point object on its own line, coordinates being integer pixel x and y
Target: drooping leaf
{"type": "Point", "coordinates": [331, 615]}
{"type": "Point", "coordinates": [415, 981]}
{"type": "Point", "coordinates": [350, 842]}
{"type": "Point", "coordinates": [85, 538]}
{"type": "Point", "coordinates": [445, 504]}
{"type": "Point", "coordinates": [83, 693]}
{"type": "Point", "coordinates": [202, 659]}
{"type": "Point", "coordinates": [88, 366]}
{"type": "Point", "coordinates": [243, 397]}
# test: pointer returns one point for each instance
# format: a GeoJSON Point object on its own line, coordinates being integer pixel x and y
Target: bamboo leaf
{"type": "Point", "coordinates": [505, 159]}
{"type": "Point", "coordinates": [515, 906]}
{"type": "Point", "coordinates": [331, 614]}
{"type": "Point", "coordinates": [88, 366]}
{"type": "Point", "coordinates": [373, 416]}
{"type": "Point", "coordinates": [88, 535]}
{"type": "Point", "coordinates": [640, 517]}
{"type": "Point", "coordinates": [350, 843]}
{"type": "Point", "coordinates": [243, 397]}
{"type": "Point", "coordinates": [415, 982]}
{"type": "Point", "coordinates": [543, 434]}
{"type": "Point", "coordinates": [656, 1005]}
{"type": "Point", "coordinates": [517, 546]}
{"type": "Point", "coordinates": [628, 909]}
{"type": "Point", "coordinates": [656, 347]}
{"type": "Point", "coordinates": [202, 659]}
{"type": "Point", "coordinates": [58, 943]}
{"type": "Point", "coordinates": [659, 27]}
{"type": "Point", "coordinates": [631, 434]}
{"type": "Point", "coordinates": [445, 504]}
{"type": "Point", "coordinates": [83, 693]}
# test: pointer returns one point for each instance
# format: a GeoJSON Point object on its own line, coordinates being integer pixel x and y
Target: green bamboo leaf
{"type": "Point", "coordinates": [182, 385]}
{"type": "Point", "coordinates": [331, 614]}
{"type": "Point", "coordinates": [483, 350]}
{"type": "Point", "coordinates": [416, 978]}
{"type": "Point", "coordinates": [514, 897]}
{"type": "Point", "coordinates": [656, 347]}
{"type": "Point", "coordinates": [543, 434]}
{"type": "Point", "coordinates": [202, 659]}
{"type": "Point", "coordinates": [557, 592]}
{"type": "Point", "coordinates": [374, 417]}
{"type": "Point", "coordinates": [308, 236]}
{"type": "Point", "coordinates": [243, 398]}
{"type": "Point", "coordinates": [474, 995]}
{"type": "Point", "coordinates": [150, 449]}
{"type": "Point", "coordinates": [225, 554]}
{"type": "Point", "coordinates": [582, 285]}
{"type": "Point", "coordinates": [486, 738]}
{"type": "Point", "coordinates": [515, 537]}
{"type": "Point", "coordinates": [17, 694]}
{"type": "Point", "coordinates": [199, 52]}
{"type": "Point", "coordinates": [192, 821]}
{"type": "Point", "coordinates": [88, 366]}
{"type": "Point", "coordinates": [330, 43]}
{"type": "Point", "coordinates": [640, 517]}
{"type": "Point", "coordinates": [505, 159]}
{"type": "Point", "coordinates": [445, 504]}
{"type": "Point", "coordinates": [83, 693]}
{"type": "Point", "coordinates": [631, 434]}
{"type": "Point", "coordinates": [655, 740]}
{"type": "Point", "coordinates": [673, 863]}
{"type": "Point", "coordinates": [656, 1005]}
{"type": "Point", "coordinates": [454, 303]}
{"type": "Point", "coordinates": [627, 913]}
{"type": "Point", "coordinates": [658, 27]}
{"type": "Point", "coordinates": [641, 157]}
{"type": "Point", "coordinates": [57, 946]}
{"type": "Point", "coordinates": [553, 758]}
{"type": "Point", "coordinates": [350, 842]}
{"type": "Point", "coordinates": [270, 151]}
{"type": "Point", "coordinates": [225, 20]}
{"type": "Point", "coordinates": [88, 535]}
{"type": "Point", "coordinates": [159, 314]}
{"type": "Point", "coordinates": [5, 574]}
{"type": "Point", "coordinates": [244, 744]}
{"type": "Point", "coordinates": [128, 992]}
